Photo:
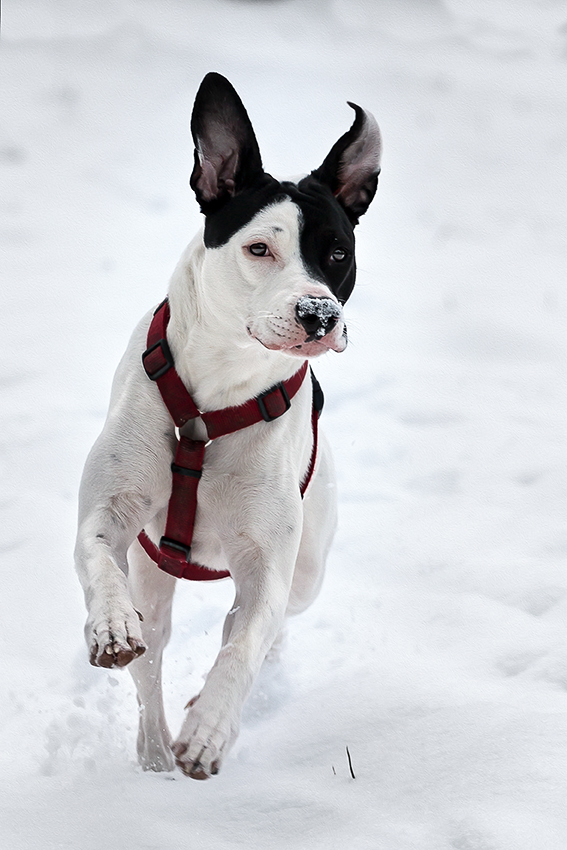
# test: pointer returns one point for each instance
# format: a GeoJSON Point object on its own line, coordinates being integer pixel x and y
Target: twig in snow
{"type": "Point", "coordinates": [350, 763]}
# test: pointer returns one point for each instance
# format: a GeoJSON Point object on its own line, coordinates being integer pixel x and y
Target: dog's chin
{"type": "Point", "coordinates": [312, 348]}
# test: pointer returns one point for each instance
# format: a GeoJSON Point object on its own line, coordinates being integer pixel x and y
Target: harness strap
{"type": "Point", "coordinates": [317, 407]}
{"type": "Point", "coordinates": [267, 406]}
{"type": "Point", "coordinates": [174, 552]}
{"type": "Point", "coordinates": [159, 366]}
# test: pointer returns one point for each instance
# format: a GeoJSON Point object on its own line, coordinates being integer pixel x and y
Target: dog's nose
{"type": "Point", "coordinates": [318, 316]}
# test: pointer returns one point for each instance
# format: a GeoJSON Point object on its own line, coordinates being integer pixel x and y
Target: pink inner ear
{"type": "Point", "coordinates": [363, 155]}
{"type": "Point", "coordinates": [353, 181]}
{"type": "Point", "coordinates": [360, 160]}
{"type": "Point", "coordinates": [351, 195]}
{"type": "Point", "coordinates": [207, 182]}
{"type": "Point", "coordinates": [218, 168]}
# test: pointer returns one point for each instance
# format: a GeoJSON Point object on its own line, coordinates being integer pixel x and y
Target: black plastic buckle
{"type": "Point", "coordinates": [167, 356]}
{"type": "Point", "coordinates": [178, 547]}
{"type": "Point", "coordinates": [182, 470]}
{"type": "Point", "coordinates": [262, 405]}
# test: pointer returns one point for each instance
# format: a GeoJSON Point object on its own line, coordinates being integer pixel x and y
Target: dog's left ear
{"type": "Point", "coordinates": [227, 157]}
{"type": "Point", "coordinates": [352, 166]}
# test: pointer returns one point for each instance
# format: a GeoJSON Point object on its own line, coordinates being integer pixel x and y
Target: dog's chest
{"type": "Point", "coordinates": [250, 480]}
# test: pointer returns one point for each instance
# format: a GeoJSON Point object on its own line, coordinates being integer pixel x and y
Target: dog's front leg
{"type": "Point", "coordinates": [112, 630]}
{"type": "Point", "coordinates": [123, 485]}
{"type": "Point", "coordinates": [263, 578]}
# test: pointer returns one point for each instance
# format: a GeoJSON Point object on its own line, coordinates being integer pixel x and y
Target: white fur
{"type": "Point", "coordinates": [233, 334]}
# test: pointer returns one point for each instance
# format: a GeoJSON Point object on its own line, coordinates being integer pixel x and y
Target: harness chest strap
{"type": "Point", "coordinates": [174, 552]}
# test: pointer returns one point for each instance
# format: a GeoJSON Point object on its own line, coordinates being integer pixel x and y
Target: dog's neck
{"type": "Point", "coordinates": [218, 361]}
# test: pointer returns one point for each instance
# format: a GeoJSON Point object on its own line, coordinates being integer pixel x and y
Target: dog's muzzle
{"type": "Point", "coordinates": [318, 316]}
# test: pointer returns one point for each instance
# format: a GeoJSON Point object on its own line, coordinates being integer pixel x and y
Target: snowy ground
{"type": "Point", "coordinates": [437, 651]}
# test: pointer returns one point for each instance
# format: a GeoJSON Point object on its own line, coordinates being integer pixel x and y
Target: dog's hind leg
{"type": "Point", "coordinates": [152, 595]}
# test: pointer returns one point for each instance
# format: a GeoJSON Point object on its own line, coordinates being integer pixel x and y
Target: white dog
{"type": "Point", "coordinates": [254, 295]}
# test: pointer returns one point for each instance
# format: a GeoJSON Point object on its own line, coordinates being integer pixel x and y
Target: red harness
{"type": "Point", "coordinates": [174, 552]}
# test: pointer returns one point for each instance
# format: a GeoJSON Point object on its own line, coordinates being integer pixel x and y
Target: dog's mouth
{"type": "Point", "coordinates": [309, 346]}
{"type": "Point", "coordinates": [312, 347]}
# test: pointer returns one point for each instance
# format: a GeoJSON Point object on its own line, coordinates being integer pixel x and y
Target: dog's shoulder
{"type": "Point", "coordinates": [133, 396]}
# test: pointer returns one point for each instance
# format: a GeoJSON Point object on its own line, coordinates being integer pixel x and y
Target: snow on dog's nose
{"type": "Point", "coordinates": [318, 316]}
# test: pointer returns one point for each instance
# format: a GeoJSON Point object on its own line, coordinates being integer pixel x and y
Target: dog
{"type": "Point", "coordinates": [258, 293]}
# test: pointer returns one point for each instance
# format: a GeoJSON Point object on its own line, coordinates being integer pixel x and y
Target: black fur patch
{"type": "Point", "coordinates": [325, 227]}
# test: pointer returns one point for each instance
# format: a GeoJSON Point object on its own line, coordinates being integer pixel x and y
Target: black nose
{"type": "Point", "coordinates": [318, 316]}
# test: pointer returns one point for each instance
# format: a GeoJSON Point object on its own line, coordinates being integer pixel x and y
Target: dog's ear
{"type": "Point", "coordinates": [227, 157]}
{"type": "Point", "coordinates": [352, 166]}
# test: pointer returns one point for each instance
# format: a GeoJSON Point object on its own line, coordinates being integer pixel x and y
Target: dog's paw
{"type": "Point", "coordinates": [204, 740]}
{"type": "Point", "coordinates": [114, 640]}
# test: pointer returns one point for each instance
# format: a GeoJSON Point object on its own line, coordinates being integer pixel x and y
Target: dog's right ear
{"type": "Point", "coordinates": [227, 157]}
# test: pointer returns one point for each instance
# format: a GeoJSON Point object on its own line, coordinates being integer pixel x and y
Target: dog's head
{"type": "Point", "coordinates": [291, 245]}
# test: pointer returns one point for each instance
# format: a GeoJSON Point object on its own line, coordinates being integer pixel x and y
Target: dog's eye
{"type": "Point", "coordinates": [339, 255]}
{"type": "Point", "coordinates": [259, 249]}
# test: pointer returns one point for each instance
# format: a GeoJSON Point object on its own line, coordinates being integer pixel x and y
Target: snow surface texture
{"type": "Point", "coordinates": [437, 651]}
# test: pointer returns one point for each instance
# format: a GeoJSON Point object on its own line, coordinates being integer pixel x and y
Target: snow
{"type": "Point", "coordinates": [437, 650]}
{"type": "Point", "coordinates": [323, 309]}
